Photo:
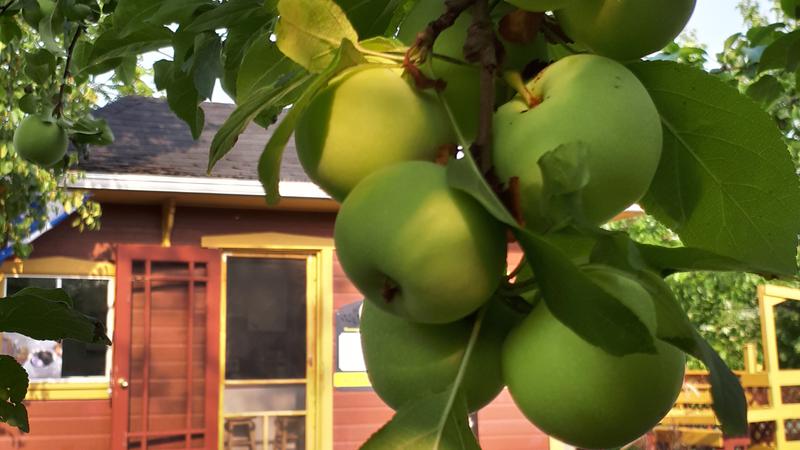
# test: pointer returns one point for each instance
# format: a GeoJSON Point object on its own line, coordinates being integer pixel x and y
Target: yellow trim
{"type": "Point", "coordinates": [264, 382]}
{"type": "Point", "coordinates": [44, 390]}
{"type": "Point", "coordinates": [57, 265]}
{"type": "Point", "coordinates": [351, 380]}
{"type": "Point", "coordinates": [167, 221]}
{"type": "Point", "coordinates": [318, 253]}
{"type": "Point", "coordinates": [267, 241]}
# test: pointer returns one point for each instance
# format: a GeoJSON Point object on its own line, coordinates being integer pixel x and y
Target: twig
{"type": "Point", "coordinates": [5, 7]}
{"type": "Point", "coordinates": [59, 108]}
{"type": "Point", "coordinates": [483, 48]}
{"type": "Point", "coordinates": [423, 44]}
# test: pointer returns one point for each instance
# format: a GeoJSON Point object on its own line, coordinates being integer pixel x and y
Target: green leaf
{"type": "Point", "coordinates": [184, 101]}
{"type": "Point", "coordinates": [791, 8]}
{"type": "Point", "coordinates": [766, 91]}
{"type": "Point", "coordinates": [783, 54]}
{"type": "Point", "coordinates": [9, 29]}
{"type": "Point", "coordinates": [89, 130]}
{"type": "Point", "coordinates": [310, 31]}
{"type": "Point", "coordinates": [263, 65]}
{"type": "Point", "coordinates": [269, 164]}
{"type": "Point", "coordinates": [565, 175]}
{"type": "Point", "coordinates": [207, 65]}
{"type": "Point", "coordinates": [570, 294]}
{"type": "Point", "coordinates": [46, 26]}
{"type": "Point", "coordinates": [48, 314]}
{"type": "Point", "coordinates": [726, 182]}
{"type": "Point", "coordinates": [111, 45]}
{"type": "Point", "coordinates": [580, 304]}
{"type": "Point", "coordinates": [239, 39]}
{"type": "Point", "coordinates": [40, 65]}
{"type": "Point", "coordinates": [227, 14]}
{"type": "Point", "coordinates": [674, 327]}
{"type": "Point", "coordinates": [417, 426]}
{"type": "Point", "coordinates": [370, 17]}
{"type": "Point", "coordinates": [13, 387]}
{"type": "Point", "coordinates": [175, 11]}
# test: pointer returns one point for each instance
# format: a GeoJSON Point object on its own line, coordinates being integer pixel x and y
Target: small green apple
{"type": "Point", "coordinates": [625, 29]}
{"type": "Point", "coordinates": [417, 247]}
{"type": "Point", "coordinates": [589, 99]}
{"type": "Point", "coordinates": [579, 393]}
{"type": "Point", "coordinates": [40, 142]}
{"type": "Point", "coordinates": [365, 119]}
{"type": "Point", "coordinates": [405, 360]}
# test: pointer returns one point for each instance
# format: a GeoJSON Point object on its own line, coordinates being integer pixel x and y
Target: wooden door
{"type": "Point", "coordinates": [165, 378]}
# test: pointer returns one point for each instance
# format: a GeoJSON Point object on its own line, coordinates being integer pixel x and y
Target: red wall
{"type": "Point", "coordinates": [85, 425]}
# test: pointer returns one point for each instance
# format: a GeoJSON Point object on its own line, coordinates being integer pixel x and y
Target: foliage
{"type": "Point", "coordinates": [725, 183]}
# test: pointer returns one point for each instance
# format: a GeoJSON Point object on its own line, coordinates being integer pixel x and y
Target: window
{"type": "Point", "coordinates": [266, 352]}
{"type": "Point", "coordinates": [68, 360]}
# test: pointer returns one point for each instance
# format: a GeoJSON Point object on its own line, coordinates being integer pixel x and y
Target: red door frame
{"type": "Point", "coordinates": [126, 254]}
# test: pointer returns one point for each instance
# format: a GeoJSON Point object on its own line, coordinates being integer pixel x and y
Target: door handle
{"type": "Point", "coordinates": [123, 383]}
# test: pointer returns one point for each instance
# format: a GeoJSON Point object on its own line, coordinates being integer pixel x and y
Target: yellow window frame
{"type": "Point", "coordinates": [318, 253]}
{"type": "Point", "coordinates": [65, 267]}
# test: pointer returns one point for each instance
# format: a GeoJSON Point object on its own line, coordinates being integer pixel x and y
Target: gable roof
{"type": "Point", "coordinates": [151, 140]}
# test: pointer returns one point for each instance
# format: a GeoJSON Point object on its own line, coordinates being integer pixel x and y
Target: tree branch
{"type": "Point", "coordinates": [59, 108]}
{"type": "Point", "coordinates": [5, 7]}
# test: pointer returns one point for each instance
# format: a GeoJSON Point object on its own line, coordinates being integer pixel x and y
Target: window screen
{"type": "Point", "coordinates": [266, 319]}
{"type": "Point", "coordinates": [50, 359]}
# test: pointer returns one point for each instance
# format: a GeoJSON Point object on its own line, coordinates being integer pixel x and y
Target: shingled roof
{"type": "Point", "coordinates": [151, 140]}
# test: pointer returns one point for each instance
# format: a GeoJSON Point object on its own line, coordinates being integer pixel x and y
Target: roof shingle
{"type": "Point", "coordinates": [151, 140]}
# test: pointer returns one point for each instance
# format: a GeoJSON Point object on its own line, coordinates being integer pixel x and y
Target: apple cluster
{"type": "Point", "coordinates": [430, 259]}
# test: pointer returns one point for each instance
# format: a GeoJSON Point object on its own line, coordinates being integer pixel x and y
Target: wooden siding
{"type": "Point", "coordinates": [72, 424]}
{"type": "Point", "coordinates": [356, 413]}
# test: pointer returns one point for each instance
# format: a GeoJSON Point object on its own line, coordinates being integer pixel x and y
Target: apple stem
{"type": "Point", "coordinates": [423, 44]}
{"type": "Point", "coordinates": [59, 108]}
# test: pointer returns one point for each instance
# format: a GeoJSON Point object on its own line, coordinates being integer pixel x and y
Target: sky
{"type": "Point", "coordinates": [713, 21]}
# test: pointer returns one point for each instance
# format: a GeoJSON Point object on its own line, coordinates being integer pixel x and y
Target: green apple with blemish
{"type": "Point", "coordinates": [589, 99]}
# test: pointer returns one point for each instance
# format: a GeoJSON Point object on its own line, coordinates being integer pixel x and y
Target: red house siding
{"type": "Point", "coordinates": [86, 425]}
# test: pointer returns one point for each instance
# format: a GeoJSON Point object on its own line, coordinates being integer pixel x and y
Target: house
{"type": "Point", "coordinates": [232, 322]}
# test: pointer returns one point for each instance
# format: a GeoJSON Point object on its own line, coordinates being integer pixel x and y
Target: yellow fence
{"type": "Point", "coordinates": [773, 394]}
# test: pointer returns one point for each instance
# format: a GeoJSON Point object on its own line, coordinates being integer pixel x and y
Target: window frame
{"type": "Point", "coordinates": [70, 388]}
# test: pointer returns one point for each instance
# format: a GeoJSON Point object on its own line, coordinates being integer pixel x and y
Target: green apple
{"type": "Point", "coordinates": [367, 118]}
{"type": "Point", "coordinates": [417, 247]}
{"type": "Point", "coordinates": [625, 29]}
{"type": "Point", "coordinates": [40, 142]}
{"type": "Point", "coordinates": [579, 393]}
{"type": "Point", "coordinates": [541, 5]}
{"type": "Point", "coordinates": [589, 99]}
{"type": "Point", "coordinates": [406, 360]}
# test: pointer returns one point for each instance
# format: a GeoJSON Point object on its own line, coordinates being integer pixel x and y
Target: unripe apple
{"type": "Point", "coordinates": [625, 29]}
{"type": "Point", "coordinates": [581, 394]}
{"type": "Point", "coordinates": [417, 247]}
{"type": "Point", "coordinates": [42, 143]}
{"type": "Point", "coordinates": [406, 360]}
{"type": "Point", "coordinates": [365, 119]}
{"type": "Point", "coordinates": [589, 99]}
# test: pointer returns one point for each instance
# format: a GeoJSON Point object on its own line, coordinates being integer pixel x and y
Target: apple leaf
{"type": "Point", "coordinates": [791, 8]}
{"type": "Point", "coordinates": [227, 14]}
{"type": "Point", "coordinates": [370, 17]}
{"type": "Point", "coordinates": [580, 304]}
{"type": "Point", "coordinates": [619, 250]}
{"type": "Point", "coordinates": [730, 404]}
{"type": "Point", "coordinates": [766, 91]}
{"type": "Point", "coordinates": [182, 96]}
{"type": "Point", "coordinates": [310, 31]}
{"type": "Point", "coordinates": [13, 387]}
{"type": "Point", "coordinates": [48, 314]}
{"type": "Point", "coordinates": [782, 54]}
{"type": "Point", "coordinates": [726, 182]}
{"type": "Point", "coordinates": [416, 426]}
{"type": "Point", "coordinates": [269, 163]}
{"type": "Point", "coordinates": [571, 295]}
{"type": "Point", "coordinates": [111, 45]}
{"type": "Point", "coordinates": [565, 175]}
